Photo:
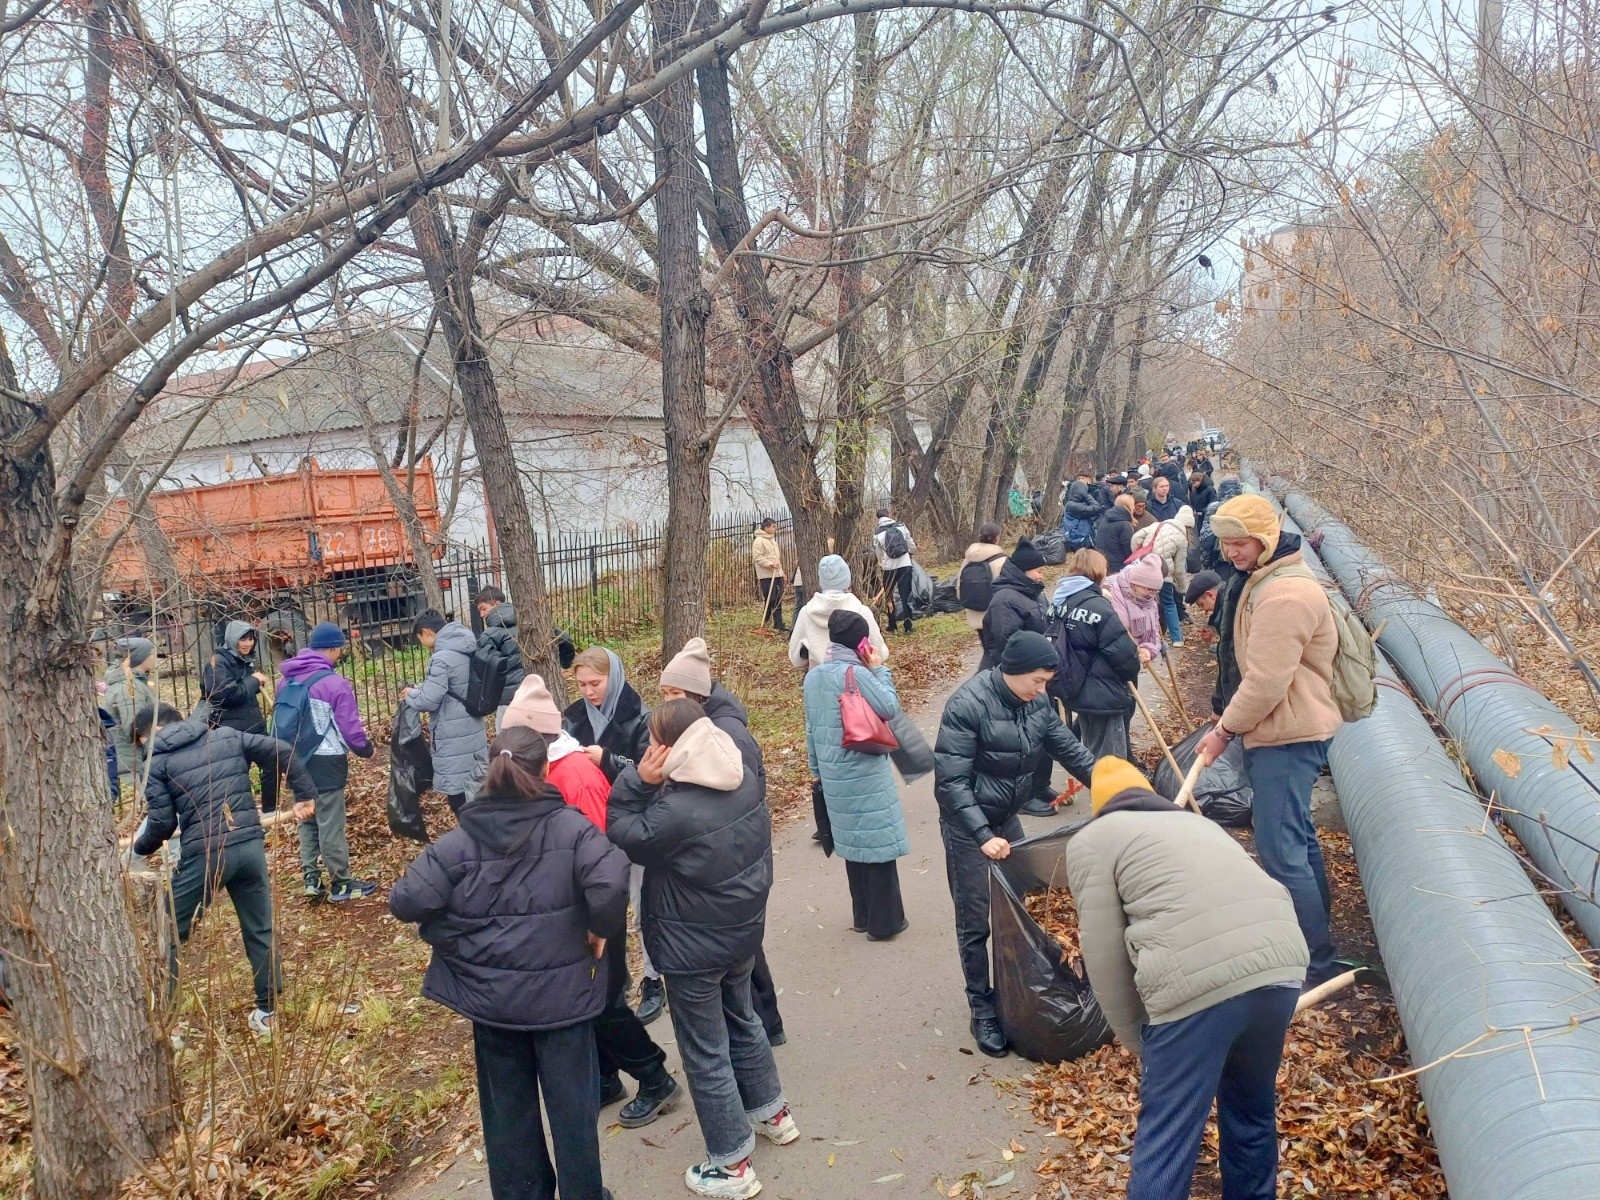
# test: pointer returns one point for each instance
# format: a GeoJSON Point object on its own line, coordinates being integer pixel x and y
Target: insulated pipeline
{"type": "Point", "coordinates": [1522, 749]}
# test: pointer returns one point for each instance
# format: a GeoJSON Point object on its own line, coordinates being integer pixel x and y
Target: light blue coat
{"type": "Point", "coordinates": [862, 797]}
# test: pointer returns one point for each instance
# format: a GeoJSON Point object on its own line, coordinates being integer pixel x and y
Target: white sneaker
{"type": "Point", "coordinates": [261, 1022]}
{"type": "Point", "coordinates": [738, 1181]}
{"type": "Point", "coordinates": [779, 1130]}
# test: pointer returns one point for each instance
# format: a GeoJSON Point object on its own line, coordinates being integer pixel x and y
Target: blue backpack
{"type": "Point", "coordinates": [1078, 532]}
{"type": "Point", "coordinates": [291, 715]}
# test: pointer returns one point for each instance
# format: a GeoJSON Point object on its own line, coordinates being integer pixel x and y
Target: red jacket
{"type": "Point", "coordinates": [582, 785]}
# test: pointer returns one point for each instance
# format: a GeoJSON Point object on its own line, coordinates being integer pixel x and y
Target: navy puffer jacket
{"type": "Point", "coordinates": [1107, 658]}
{"type": "Point", "coordinates": [505, 900]}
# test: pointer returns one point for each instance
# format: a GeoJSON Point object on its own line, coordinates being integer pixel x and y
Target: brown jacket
{"type": "Point", "coordinates": [1285, 639]}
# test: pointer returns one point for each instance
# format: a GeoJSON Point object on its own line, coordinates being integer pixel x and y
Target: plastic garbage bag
{"type": "Point", "coordinates": [914, 757]}
{"type": "Point", "coordinates": [921, 594]}
{"type": "Point", "coordinates": [1223, 789]}
{"type": "Point", "coordinates": [945, 599]}
{"type": "Point", "coordinates": [1052, 545]}
{"type": "Point", "coordinates": [1046, 1008]}
{"type": "Point", "coordinates": [410, 775]}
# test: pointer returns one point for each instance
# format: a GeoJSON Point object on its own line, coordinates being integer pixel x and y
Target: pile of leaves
{"type": "Point", "coordinates": [1056, 914]}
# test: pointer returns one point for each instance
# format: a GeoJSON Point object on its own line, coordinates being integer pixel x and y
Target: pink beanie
{"type": "Point", "coordinates": [532, 708]}
{"type": "Point", "coordinates": [1146, 572]}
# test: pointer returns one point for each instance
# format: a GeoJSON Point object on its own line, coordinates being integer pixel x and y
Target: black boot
{"type": "Point", "coordinates": [611, 1090]}
{"type": "Point", "coordinates": [655, 1097]}
{"type": "Point", "coordinates": [986, 1032]}
{"type": "Point", "coordinates": [652, 1000]}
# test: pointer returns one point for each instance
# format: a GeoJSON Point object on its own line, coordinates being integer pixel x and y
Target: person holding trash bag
{"type": "Point", "coordinates": [996, 729]}
{"type": "Point", "coordinates": [1196, 958]}
{"type": "Point", "coordinates": [858, 788]}
{"type": "Point", "coordinates": [518, 902]}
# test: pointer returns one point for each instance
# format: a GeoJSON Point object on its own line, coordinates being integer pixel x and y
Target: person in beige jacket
{"type": "Point", "coordinates": [985, 550]}
{"type": "Point", "coordinates": [1284, 640]}
{"type": "Point", "coordinates": [770, 576]}
{"type": "Point", "coordinates": [1196, 959]}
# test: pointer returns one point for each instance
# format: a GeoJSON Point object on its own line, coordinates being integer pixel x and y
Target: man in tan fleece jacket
{"type": "Point", "coordinates": [1285, 640]}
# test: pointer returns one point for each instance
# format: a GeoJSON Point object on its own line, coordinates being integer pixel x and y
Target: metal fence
{"type": "Point", "coordinates": [601, 586]}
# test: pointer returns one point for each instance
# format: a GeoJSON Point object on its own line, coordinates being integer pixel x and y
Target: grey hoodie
{"type": "Point", "coordinates": [460, 742]}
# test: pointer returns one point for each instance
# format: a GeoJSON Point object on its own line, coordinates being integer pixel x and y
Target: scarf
{"type": "Point", "coordinates": [1070, 586]}
{"type": "Point", "coordinates": [844, 654]}
{"type": "Point", "coordinates": [600, 715]}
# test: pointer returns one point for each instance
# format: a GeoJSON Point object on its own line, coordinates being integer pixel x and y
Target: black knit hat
{"type": "Point", "coordinates": [1027, 651]}
{"type": "Point", "coordinates": [1027, 556]}
{"type": "Point", "coordinates": [846, 628]}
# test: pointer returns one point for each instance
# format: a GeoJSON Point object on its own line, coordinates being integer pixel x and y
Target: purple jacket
{"type": "Point", "coordinates": [333, 708]}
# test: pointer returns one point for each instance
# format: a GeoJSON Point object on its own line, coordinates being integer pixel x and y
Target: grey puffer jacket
{"type": "Point", "coordinates": [1174, 915]}
{"type": "Point", "coordinates": [127, 691]}
{"type": "Point", "coordinates": [500, 631]}
{"type": "Point", "coordinates": [460, 742]}
{"type": "Point", "coordinates": [505, 901]}
{"type": "Point", "coordinates": [200, 781]}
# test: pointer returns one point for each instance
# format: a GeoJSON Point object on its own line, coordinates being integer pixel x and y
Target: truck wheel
{"type": "Point", "coordinates": [285, 632]}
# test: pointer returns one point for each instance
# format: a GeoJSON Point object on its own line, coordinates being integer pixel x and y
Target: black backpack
{"type": "Point", "coordinates": [1072, 671]}
{"type": "Point", "coordinates": [894, 541]}
{"type": "Point", "coordinates": [291, 715]}
{"type": "Point", "coordinates": [975, 584]}
{"type": "Point", "coordinates": [486, 681]}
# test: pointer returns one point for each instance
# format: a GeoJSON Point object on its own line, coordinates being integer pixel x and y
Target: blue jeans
{"type": "Point", "coordinates": [727, 1059]}
{"type": "Point", "coordinates": [1281, 778]}
{"type": "Point", "coordinates": [1229, 1052]}
{"type": "Point", "coordinates": [1169, 613]}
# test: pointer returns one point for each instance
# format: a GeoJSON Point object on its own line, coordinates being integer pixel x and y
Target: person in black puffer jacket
{"type": "Point", "coordinates": [500, 633]}
{"type": "Point", "coordinates": [995, 730]}
{"type": "Point", "coordinates": [232, 685]}
{"type": "Point", "coordinates": [1015, 602]}
{"type": "Point", "coordinates": [691, 813]}
{"type": "Point", "coordinates": [1210, 551]}
{"type": "Point", "coordinates": [200, 784]}
{"type": "Point", "coordinates": [517, 903]}
{"type": "Point", "coordinates": [608, 717]}
{"type": "Point", "coordinates": [1094, 686]}
{"type": "Point", "coordinates": [1113, 535]}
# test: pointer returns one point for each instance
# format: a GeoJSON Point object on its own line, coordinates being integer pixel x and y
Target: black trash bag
{"type": "Point", "coordinates": [921, 595]}
{"type": "Point", "coordinates": [410, 775]}
{"type": "Point", "coordinates": [1052, 545]}
{"type": "Point", "coordinates": [945, 599]}
{"type": "Point", "coordinates": [1223, 789]}
{"type": "Point", "coordinates": [1046, 1008]}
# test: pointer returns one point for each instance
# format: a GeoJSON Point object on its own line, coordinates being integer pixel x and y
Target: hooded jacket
{"type": "Point", "coordinates": [505, 900]}
{"type": "Point", "coordinates": [626, 738]}
{"type": "Point", "coordinates": [994, 558]}
{"type": "Point", "coordinates": [1171, 537]}
{"type": "Point", "coordinates": [704, 839]}
{"type": "Point", "coordinates": [127, 691]}
{"type": "Point", "coordinates": [500, 633]}
{"type": "Point", "coordinates": [337, 716]}
{"type": "Point", "coordinates": [766, 556]}
{"type": "Point", "coordinates": [884, 561]}
{"type": "Point", "coordinates": [1113, 537]}
{"type": "Point", "coordinates": [810, 630]}
{"type": "Point", "coordinates": [1174, 916]}
{"type": "Point", "coordinates": [1210, 551]}
{"type": "Point", "coordinates": [581, 784]}
{"type": "Point", "coordinates": [1095, 634]}
{"type": "Point", "coordinates": [1017, 602]}
{"type": "Point", "coordinates": [1079, 512]}
{"type": "Point", "coordinates": [229, 683]}
{"type": "Point", "coordinates": [859, 789]}
{"type": "Point", "coordinates": [728, 713]}
{"type": "Point", "coordinates": [990, 743]}
{"type": "Point", "coordinates": [460, 742]}
{"type": "Point", "coordinates": [200, 784]}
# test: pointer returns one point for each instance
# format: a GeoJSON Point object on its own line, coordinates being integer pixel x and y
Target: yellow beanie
{"type": "Point", "coordinates": [1248, 516]}
{"type": "Point", "coordinates": [1113, 775]}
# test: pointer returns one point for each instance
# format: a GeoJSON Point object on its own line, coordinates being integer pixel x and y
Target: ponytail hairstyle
{"type": "Point", "coordinates": [518, 758]}
{"type": "Point", "coordinates": [670, 721]}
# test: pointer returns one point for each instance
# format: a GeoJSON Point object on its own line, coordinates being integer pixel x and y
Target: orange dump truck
{"type": "Point", "coordinates": [268, 549]}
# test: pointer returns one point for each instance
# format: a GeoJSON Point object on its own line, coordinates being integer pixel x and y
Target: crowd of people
{"type": "Point", "coordinates": [569, 821]}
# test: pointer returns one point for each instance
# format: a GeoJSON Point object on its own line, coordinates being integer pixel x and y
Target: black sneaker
{"type": "Point", "coordinates": [652, 1000]}
{"type": "Point", "coordinates": [653, 1100]}
{"type": "Point", "coordinates": [991, 1039]}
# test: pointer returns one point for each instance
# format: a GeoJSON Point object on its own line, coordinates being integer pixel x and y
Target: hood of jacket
{"type": "Point", "coordinates": [706, 757]}
{"type": "Point", "coordinates": [981, 552]}
{"type": "Point", "coordinates": [455, 637]}
{"type": "Point", "coordinates": [1013, 576]}
{"type": "Point", "coordinates": [1136, 799]}
{"type": "Point", "coordinates": [185, 733]}
{"type": "Point", "coordinates": [230, 640]}
{"type": "Point", "coordinates": [722, 703]}
{"type": "Point", "coordinates": [1117, 514]}
{"type": "Point", "coordinates": [501, 616]}
{"type": "Point", "coordinates": [500, 824]}
{"type": "Point", "coordinates": [1070, 587]}
{"type": "Point", "coordinates": [304, 665]}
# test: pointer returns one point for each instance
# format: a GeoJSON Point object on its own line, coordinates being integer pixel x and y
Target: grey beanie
{"type": "Point", "coordinates": [833, 574]}
{"type": "Point", "coordinates": [136, 650]}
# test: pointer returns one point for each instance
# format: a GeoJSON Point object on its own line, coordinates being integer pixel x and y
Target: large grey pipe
{"type": "Point", "coordinates": [1490, 712]}
{"type": "Point", "coordinates": [1470, 947]}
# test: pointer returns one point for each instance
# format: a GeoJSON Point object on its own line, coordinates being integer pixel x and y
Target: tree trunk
{"type": "Point", "coordinates": [684, 311]}
{"type": "Point", "coordinates": [99, 1076]}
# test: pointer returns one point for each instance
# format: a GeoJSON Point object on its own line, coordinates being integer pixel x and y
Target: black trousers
{"type": "Point", "coordinates": [242, 870]}
{"type": "Point", "coordinates": [621, 1041]}
{"type": "Point", "coordinates": [875, 904]}
{"type": "Point", "coordinates": [514, 1069]}
{"type": "Point", "coordinates": [772, 601]}
{"type": "Point", "coordinates": [897, 582]}
{"type": "Point", "coordinates": [968, 872]}
{"type": "Point", "coordinates": [764, 995]}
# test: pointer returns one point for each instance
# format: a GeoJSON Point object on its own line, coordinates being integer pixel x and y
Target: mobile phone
{"type": "Point", "coordinates": [864, 649]}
